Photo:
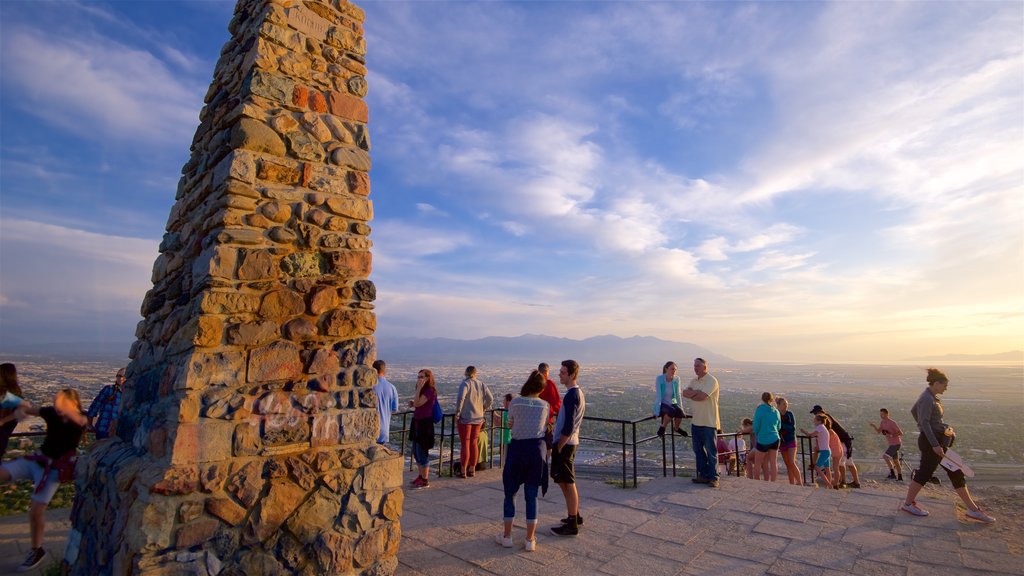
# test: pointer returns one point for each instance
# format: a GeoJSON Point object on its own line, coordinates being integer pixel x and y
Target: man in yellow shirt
{"type": "Point", "coordinates": [703, 392]}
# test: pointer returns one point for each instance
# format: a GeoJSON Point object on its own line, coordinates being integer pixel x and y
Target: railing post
{"type": "Point", "coordinates": [635, 462]}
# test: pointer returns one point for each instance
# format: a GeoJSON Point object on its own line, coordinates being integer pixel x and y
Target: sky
{"type": "Point", "coordinates": [806, 181]}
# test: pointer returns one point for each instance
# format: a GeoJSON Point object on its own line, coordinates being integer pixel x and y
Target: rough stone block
{"type": "Point", "coordinates": [391, 506]}
{"type": "Point", "coordinates": [209, 331]}
{"type": "Point", "coordinates": [299, 329]}
{"type": "Point", "coordinates": [215, 262]}
{"type": "Point", "coordinates": [238, 165]}
{"type": "Point", "coordinates": [257, 265]}
{"type": "Point", "coordinates": [380, 474]}
{"type": "Point", "coordinates": [361, 426]}
{"type": "Point", "coordinates": [277, 361]}
{"type": "Point", "coordinates": [203, 441]}
{"type": "Point", "coordinates": [354, 158]}
{"type": "Point", "coordinates": [348, 107]}
{"type": "Point", "coordinates": [227, 510]}
{"type": "Point", "coordinates": [323, 299]}
{"type": "Point", "coordinates": [219, 368]}
{"type": "Point", "coordinates": [344, 323]}
{"type": "Point", "coordinates": [270, 86]}
{"type": "Point", "coordinates": [333, 552]}
{"type": "Point", "coordinates": [304, 265]}
{"type": "Point", "coordinates": [279, 503]}
{"type": "Point", "coordinates": [276, 211]}
{"type": "Point", "coordinates": [212, 302]}
{"type": "Point", "coordinates": [370, 547]}
{"type": "Point", "coordinates": [364, 376]}
{"type": "Point", "coordinates": [323, 362]}
{"type": "Point", "coordinates": [315, 515]}
{"type": "Point", "coordinates": [306, 147]}
{"type": "Point", "coordinates": [359, 183]}
{"type": "Point", "coordinates": [246, 484]}
{"type": "Point", "coordinates": [256, 136]}
{"type": "Point", "coordinates": [357, 208]}
{"type": "Point", "coordinates": [281, 304]}
{"type": "Point", "coordinates": [326, 430]}
{"type": "Point", "coordinates": [351, 264]}
{"type": "Point", "coordinates": [252, 333]}
{"type": "Point", "coordinates": [286, 429]}
{"type": "Point", "coordinates": [278, 173]}
{"type": "Point", "coordinates": [196, 533]}
{"type": "Point", "coordinates": [247, 441]}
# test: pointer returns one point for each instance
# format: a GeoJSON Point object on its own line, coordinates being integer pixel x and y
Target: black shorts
{"type": "Point", "coordinates": [671, 410]}
{"type": "Point", "coordinates": [766, 447]}
{"type": "Point", "coordinates": [893, 450]}
{"type": "Point", "coordinates": [563, 464]}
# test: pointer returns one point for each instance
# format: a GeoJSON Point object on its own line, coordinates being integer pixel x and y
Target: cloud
{"type": "Point", "coordinates": [429, 209]}
{"type": "Point", "coordinates": [398, 241]}
{"type": "Point", "coordinates": [119, 91]}
{"type": "Point", "coordinates": [61, 284]}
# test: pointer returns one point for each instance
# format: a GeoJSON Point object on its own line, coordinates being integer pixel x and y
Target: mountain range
{"type": "Point", "coordinates": [636, 350]}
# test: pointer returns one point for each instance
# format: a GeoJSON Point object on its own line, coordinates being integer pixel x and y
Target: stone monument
{"type": "Point", "coordinates": [245, 443]}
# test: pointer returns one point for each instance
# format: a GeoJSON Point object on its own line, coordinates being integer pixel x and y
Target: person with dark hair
{"type": "Point", "coordinates": [421, 435]}
{"type": "Point", "coordinates": [667, 403]}
{"type": "Point", "coordinates": [787, 441]}
{"type": "Point", "coordinates": [766, 429]}
{"type": "Point", "coordinates": [563, 454]}
{"type": "Point", "coordinates": [703, 392]}
{"type": "Point", "coordinates": [387, 401]}
{"type": "Point", "coordinates": [936, 437]}
{"type": "Point", "coordinates": [549, 395]}
{"type": "Point", "coordinates": [475, 399]}
{"type": "Point", "coordinates": [53, 464]}
{"type": "Point", "coordinates": [894, 436]}
{"type": "Point", "coordinates": [106, 407]}
{"type": "Point", "coordinates": [847, 456]}
{"type": "Point", "coordinates": [11, 395]}
{"type": "Point", "coordinates": [525, 465]}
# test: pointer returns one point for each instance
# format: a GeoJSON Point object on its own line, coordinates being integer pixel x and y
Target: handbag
{"type": "Point", "coordinates": [438, 414]}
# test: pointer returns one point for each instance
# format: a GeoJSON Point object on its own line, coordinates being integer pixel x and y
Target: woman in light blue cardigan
{"type": "Point", "coordinates": [666, 400]}
{"type": "Point", "coordinates": [767, 423]}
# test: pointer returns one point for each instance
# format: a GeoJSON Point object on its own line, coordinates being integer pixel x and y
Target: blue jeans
{"type": "Point", "coordinates": [420, 455]}
{"type": "Point", "coordinates": [530, 491]}
{"type": "Point", "coordinates": [706, 451]}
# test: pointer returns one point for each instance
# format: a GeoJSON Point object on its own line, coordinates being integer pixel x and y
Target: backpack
{"type": "Point", "coordinates": [438, 414]}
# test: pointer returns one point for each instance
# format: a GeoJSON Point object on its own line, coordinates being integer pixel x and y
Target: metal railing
{"type": "Point", "coordinates": [624, 436]}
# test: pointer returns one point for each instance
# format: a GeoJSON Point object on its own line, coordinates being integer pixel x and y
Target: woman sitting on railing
{"type": "Point", "coordinates": [422, 432]}
{"type": "Point", "coordinates": [525, 464]}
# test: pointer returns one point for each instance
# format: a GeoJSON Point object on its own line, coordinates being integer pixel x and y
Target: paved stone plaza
{"type": "Point", "coordinates": [671, 526]}
{"type": "Point", "coordinates": [667, 526]}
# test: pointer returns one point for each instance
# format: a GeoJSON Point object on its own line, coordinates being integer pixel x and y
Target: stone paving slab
{"type": "Point", "coordinates": [668, 526]}
{"type": "Point", "coordinates": [674, 527]}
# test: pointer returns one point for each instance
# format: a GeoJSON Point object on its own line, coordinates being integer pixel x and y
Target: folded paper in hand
{"type": "Point", "coordinates": [953, 462]}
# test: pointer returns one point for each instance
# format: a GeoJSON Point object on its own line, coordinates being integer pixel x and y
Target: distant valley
{"type": "Point", "coordinates": [533, 348]}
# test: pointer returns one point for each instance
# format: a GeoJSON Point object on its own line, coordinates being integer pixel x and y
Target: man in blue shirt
{"type": "Point", "coordinates": [387, 400]}
{"type": "Point", "coordinates": [106, 406]}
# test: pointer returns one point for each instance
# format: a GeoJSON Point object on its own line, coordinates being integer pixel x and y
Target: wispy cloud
{"type": "Point", "coordinates": [120, 91]}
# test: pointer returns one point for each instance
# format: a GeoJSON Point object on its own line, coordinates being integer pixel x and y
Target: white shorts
{"type": "Point", "coordinates": [22, 469]}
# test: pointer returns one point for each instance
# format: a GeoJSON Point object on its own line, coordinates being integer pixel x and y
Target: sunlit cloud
{"type": "Point", "coordinates": [118, 89]}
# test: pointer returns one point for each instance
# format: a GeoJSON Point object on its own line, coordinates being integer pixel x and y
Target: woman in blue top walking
{"type": "Point", "coordinates": [767, 423]}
